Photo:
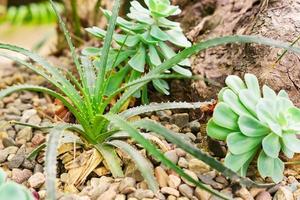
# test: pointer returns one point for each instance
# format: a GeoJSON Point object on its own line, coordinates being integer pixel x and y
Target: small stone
{"type": "Point", "coordinates": [182, 162]}
{"type": "Point", "coordinates": [171, 191]}
{"type": "Point", "coordinates": [208, 179]}
{"type": "Point", "coordinates": [127, 185]}
{"type": "Point", "coordinates": [7, 142]}
{"type": "Point", "coordinates": [255, 191]}
{"type": "Point", "coordinates": [171, 197]}
{"type": "Point", "coordinates": [38, 168]}
{"type": "Point", "coordinates": [36, 180]}
{"type": "Point", "coordinates": [120, 197]}
{"type": "Point", "coordinates": [172, 155]}
{"type": "Point", "coordinates": [180, 152]}
{"type": "Point", "coordinates": [264, 195]}
{"type": "Point", "coordinates": [35, 120]}
{"type": "Point", "coordinates": [24, 135]}
{"type": "Point", "coordinates": [198, 166]}
{"type": "Point", "coordinates": [283, 194]}
{"type": "Point", "coordinates": [191, 174]}
{"type": "Point", "coordinates": [180, 119]}
{"type": "Point", "coordinates": [16, 161]}
{"type": "Point", "coordinates": [202, 194]}
{"type": "Point", "coordinates": [191, 136]}
{"type": "Point", "coordinates": [244, 193]}
{"type": "Point", "coordinates": [27, 114]}
{"type": "Point", "coordinates": [7, 151]}
{"type": "Point", "coordinates": [194, 126]}
{"type": "Point", "coordinates": [174, 181]}
{"type": "Point", "coordinates": [38, 139]}
{"type": "Point", "coordinates": [297, 194]}
{"type": "Point", "coordinates": [20, 176]}
{"type": "Point", "coordinates": [110, 194]}
{"type": "Point", "coordinates": [161, 176]}
{"type": "Point", "coordinates": [140, 194]}
{"type": "Point", "coordinates": [186, 191]}
{"type": "Point", "coordinates": [27, 164]}
{"type": "Point", "coordinates": [132, 171]}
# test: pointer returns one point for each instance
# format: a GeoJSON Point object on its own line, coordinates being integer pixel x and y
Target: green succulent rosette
{"type": "Point", "coordinates": [255, 122]}
{"type": "Point", "coordinates": [144, 41]}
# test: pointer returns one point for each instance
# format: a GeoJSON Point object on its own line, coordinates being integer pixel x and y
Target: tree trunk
{"type": "Point", "coordinates": [277, 19]}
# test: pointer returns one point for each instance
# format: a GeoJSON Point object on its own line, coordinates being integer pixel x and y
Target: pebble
{"type": "Point", "coordinates": [283, 194]}
{"type": "Point", "coordinates": [38, 139]}
{"type": "Point", "coordinates": [191, 174]}
{"type": "Point", "coordinates": [183, 163]}
{"type": "Point", "coordinates": [161, 176]}
{"type": "Point", "coordinates": [186, 190]}
{"type": "Point", "coordinates": [16, 161]}
{"type": "Point", "coordinates": [174, 181]}
{"type": "Point", "coordinates": [120, 197]}
{"type": "Point", "coordinates": [180, 119]}
{"type": "Point", "coordinates": [198, 166]}
{"type": "Point", "coordinates": [24, 135]}
{"type": "Point", "coordinates": [36, 180]}
{"type": "Point", "coordinates": [194, 126]}
{"type": "Point", "coordinates": [244, 194]}
{"type": "Point", "coordinates": [35, 120]}
{"type": "Point", "coordinates": [141, 193]}
{"type": "Point", "coordinates": [264, 195]}
{"type": "Point", "coordinates": [20, 176]}
{"type": "Point", "coordinates": [8, 141]}
{"type": "Point", "coordinates": [7, 151]}
{"type": "Point", "coordinates": [202, 194]}
{"type": "Point", "coordinates": [172, 155]}
{"type": "Point", "coordinates": [170, 191]}
{"type": "Point", "coordinates": [28, 114]}
{"type": "Point", "coordinates": [297, 194]}
{"type": "Point", "coordinates": [127, 185]}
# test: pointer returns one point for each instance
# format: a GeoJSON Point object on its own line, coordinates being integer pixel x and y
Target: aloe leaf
{"type": "Point", "coordinates": [217, 132]}
{"type": "Point", "coordinates": [142, 163]}
{"type": "Point", "coordinates": [138, 61]}
{"type": "Point", "coordinates": [252, 84]}
{"type": "Point", "coordinates": [235, 83]}
{"type": "Point", "coordinates": [123, 125]}
{"type": "Point", "coordinates": [270, 167]}
{"type": "Point", "coordinates": [225, 117]}
{"type": "Point", "coordinates": [271, 145]}
{"type": "Point", "coordinates": [160, 106]}
{"type": "Point", "coordinates": [111, 158]}
{"type": "Point", "coordinates": [251, 127]}
{"type": "Point", "coordinates": [237, 140]}
{"type": "Point", "coordinates": [176, 139]}
{"type": "Point", "coordinates": [200, 47]}
{"type": "Point", "coordinates": [291, 142]}
{"type": "Point", "coordinates": [104, 54]}
{"type": "Point", "coordinates": [236, 162]}
{"type": "Point", "coordinates": [231, 99]}
{"type": "Point", "coordinates": [249, 100]}
{"type": "Point", "coordinates": [89, 76]}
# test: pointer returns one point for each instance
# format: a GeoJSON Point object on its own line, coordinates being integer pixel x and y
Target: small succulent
{"type": "Point", "coordinates": [144, 40]}
{"type": "Point", "coordinates": [13, 191]}
{"type": "Point", "coordinates": [253, 123]}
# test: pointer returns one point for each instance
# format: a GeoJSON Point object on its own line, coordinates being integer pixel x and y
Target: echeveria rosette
{"type": "Point", "coordinates": [253, 123]}
{"type": "Point", "coordinates": [146, 34]}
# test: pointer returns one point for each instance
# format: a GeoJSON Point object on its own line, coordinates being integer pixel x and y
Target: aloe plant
{"type": "Point", "coordinates": [254, 122]}
{"type": "Point", "coordinates": [103, 126]}
{"type": "Point", "coordinates": [13, 191]}
{"type": "Point", "coordinates": [144, 42]}
{"type": "Point", "coordinates": [33, 13]}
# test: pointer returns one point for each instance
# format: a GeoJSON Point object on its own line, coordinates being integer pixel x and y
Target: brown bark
{"type": "Point", "coordinates": [277, 19]}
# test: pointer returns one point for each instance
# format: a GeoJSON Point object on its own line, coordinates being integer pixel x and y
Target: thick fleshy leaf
{"type": "Point", "coordinates": [251, 127]}
{"type": "Point", "coordinates": [140, 17]}
{"type": "Point", "coordinates": [225, 117]}
{"type": "Point", "coordinates": [239, 143]}
{"type": "Point", "coordinates": [13, 191]}
{"type": "Point", "coordinates": [291, 142]}
{"type": "Point", "coordinates": [276, 128]}
{"type": "Point", "coordinates": [293, 115]}
{"type": "Point", "coordinates": [235, 162]}
{"type": "Point", "coordinates": [177, 38]}
{"type": "Point", "coordinates": [217, 132]}
{"type": "Point", "coordinates": [266, 109]}
{"type": "Point", "coordinates": [138, 61]}
{"type": "Point", "coordinates": [182, 71]}
{"type": "Point", "coordinates": [270, 167]}
{"type": "Point", "coordinates": [231, 99]}
{"type": "Point", "coordinates": [268, 92]}
{"type": "Point", "coordinates": [221, 92]}
{"type": "Point", "coordinates": [235, 83]}
{"type": "Point", "coordinates": [128, 40]}
{"type": "Point", "coordinates": [153, 56]}
{"type": "Point", "coordinates": [91, 51]}
{"type": "Point", "coordinates": [157, 33]}
{"type": "Point", "coordinates": [287, 152]}
{"type": "Point", "coordinates": [283, 93]}
{"type": "Point", "coordinates": [161, 86]}
{"type": "Point", "coordinates": [271, 145]}
{"type": "Point", "coordinates": [252, 84]}
{"type": "Point", "coordinates": [249, 100]}
{"type": "Point", "coordinates": [283, 104]}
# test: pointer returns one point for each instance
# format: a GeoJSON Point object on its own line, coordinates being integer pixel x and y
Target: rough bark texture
{"type": "Point", "coordinates": [277, 19]}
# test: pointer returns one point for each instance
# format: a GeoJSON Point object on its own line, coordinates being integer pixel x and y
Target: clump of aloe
{"type": "Point", "coordinates": [254, 122]}
{"type": "Point", "coordinates": [144, 41]}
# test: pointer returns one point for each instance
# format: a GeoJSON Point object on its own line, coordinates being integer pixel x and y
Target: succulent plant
{"type": "Point", "coordinates": [11, 190]}
{"type": "Point", "coordinates": [253, 123]}
{"type": "Point", "coordinates": [144, 41]}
